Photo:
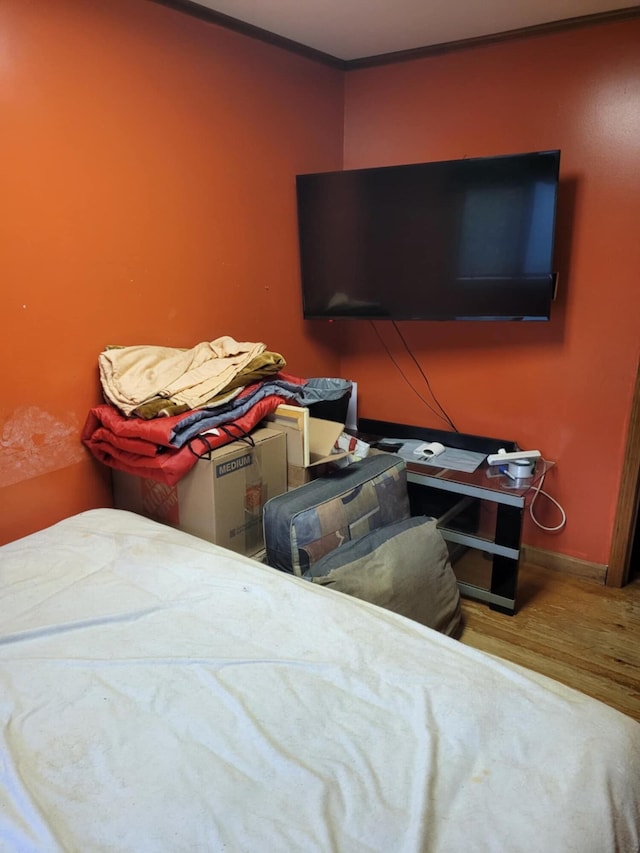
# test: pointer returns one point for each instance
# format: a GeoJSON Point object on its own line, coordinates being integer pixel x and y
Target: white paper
{"type": "Point", "coordinates": [466, 461]}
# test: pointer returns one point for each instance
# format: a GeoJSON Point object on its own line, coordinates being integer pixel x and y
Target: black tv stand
{"type": "Point", "coordinates": [451, 497]}
{"type": "Point", "coordinates": [460, 440]}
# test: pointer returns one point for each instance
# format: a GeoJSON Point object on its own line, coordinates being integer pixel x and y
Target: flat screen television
{"type": "Point", "coordinates": [468, 239]}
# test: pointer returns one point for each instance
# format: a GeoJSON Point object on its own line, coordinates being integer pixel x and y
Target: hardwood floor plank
{"type": "Point", "coordinates": [573, 630]}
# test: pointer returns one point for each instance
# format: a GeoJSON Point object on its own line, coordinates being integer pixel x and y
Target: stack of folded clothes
{"type": "Point", "coordinates": [165, 408]}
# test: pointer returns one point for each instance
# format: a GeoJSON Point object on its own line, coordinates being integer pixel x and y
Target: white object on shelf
{"type": "Point", "coordinates": [450, 457]}
{"type": "Point", "coordinates": [429, 449]}
{"type": "Point", "coordinates": [502, 457]}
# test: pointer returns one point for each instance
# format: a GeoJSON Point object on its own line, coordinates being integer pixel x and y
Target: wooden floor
{"type": "Point", "coordinates": [576, 631]}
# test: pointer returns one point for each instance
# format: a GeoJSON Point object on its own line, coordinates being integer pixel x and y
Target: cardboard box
{"type": "Point", "coordinates": [298, 476]}
{"type": "Point", "coordinates": [222, 498]}
{"type": "Point", "coordinates": [310, 443]}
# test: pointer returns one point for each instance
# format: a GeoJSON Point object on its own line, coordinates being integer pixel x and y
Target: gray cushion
{"type": "Point", "coordinates": [303, 525]}
{"type": "Point", "coordinates": [404, 567]}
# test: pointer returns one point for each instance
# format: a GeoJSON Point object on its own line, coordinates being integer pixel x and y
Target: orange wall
{"type": "Point", "coordinates": [148, 196]}
{"type": "Point", "coordinates": [564, 387]}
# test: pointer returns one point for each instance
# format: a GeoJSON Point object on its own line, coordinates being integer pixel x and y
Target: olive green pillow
{"type": "Point", "coordinates": [403, 567]}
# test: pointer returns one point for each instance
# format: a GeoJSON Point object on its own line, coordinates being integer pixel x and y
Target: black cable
{"type": "Point", "coordinates": [241, 435]}
{"type": "Point", "coordinates": [442, 414]}
{"type": "Point", "coordinates": [424, 376]}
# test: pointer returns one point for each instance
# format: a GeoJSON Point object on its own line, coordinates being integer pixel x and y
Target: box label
{"type": "Point", "coordinates": [233, 465]}
{"type": "Point", "coordinates": [160, 501]}
{"type": "Point", "coordinates": [253, 496]}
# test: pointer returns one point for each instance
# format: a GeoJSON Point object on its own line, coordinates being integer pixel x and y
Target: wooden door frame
{"type": "Point", "coordinates": [627, 509]}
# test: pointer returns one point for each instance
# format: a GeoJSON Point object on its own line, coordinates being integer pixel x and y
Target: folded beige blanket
{"type": "Point", "coordinates": [264, 365]}
{"type": "Point", "coordinates": [134, 375]}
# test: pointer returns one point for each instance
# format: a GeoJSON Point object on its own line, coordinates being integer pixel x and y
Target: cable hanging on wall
{"type": "Point", "coordinates": [440, 411]}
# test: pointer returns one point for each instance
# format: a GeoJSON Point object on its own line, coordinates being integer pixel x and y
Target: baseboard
{"type": "Point", "coordinates": [562, 563]}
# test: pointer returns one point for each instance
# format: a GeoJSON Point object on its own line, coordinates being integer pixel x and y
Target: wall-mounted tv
{"type": "Point", "coordinates": [468, 239]}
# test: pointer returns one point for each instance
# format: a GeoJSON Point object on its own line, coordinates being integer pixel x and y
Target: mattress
{"type": "Point", "coordinates": [158, 693]}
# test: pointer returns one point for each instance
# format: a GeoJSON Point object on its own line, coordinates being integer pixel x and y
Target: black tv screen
{"type": "Point", "coordinates": [465, 239]}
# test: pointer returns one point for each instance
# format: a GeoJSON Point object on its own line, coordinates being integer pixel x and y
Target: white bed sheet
{"type": "Point", "coordinates": [158, 693]}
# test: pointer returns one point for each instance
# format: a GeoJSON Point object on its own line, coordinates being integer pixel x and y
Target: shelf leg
{"type": "Point", "coordinates": [504, 576]}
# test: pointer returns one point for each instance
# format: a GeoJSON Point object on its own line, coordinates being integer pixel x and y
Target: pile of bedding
{"type": "Point", "coordinates": [165, 407]}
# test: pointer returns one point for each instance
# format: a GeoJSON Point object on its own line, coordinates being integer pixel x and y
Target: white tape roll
{"type": "Point", "coordinates": [520, 469]}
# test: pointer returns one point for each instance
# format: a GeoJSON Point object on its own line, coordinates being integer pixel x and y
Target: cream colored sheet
{"type": "Point", "coordinates": [134, 375]}
{"type": "Point", "coordinates": [158, 693]}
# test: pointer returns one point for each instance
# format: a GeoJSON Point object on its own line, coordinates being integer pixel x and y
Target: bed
{"type": "Point", "coordinates": [159, 693]}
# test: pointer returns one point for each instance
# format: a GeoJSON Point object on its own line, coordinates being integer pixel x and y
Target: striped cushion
{"type": "Point", "coordinates": [303, 525]}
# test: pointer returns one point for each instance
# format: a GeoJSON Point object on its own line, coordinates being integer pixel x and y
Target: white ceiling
{"type": "Point", "coordinates": [355, 29]}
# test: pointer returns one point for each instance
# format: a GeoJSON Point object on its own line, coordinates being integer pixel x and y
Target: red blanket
{"type": "Point", "coordinates": [143, 447]}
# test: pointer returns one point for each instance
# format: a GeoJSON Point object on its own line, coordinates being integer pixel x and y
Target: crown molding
{"type": "Point", "coordinates": [229, 23]}
{"type": "Point", "coordinates": [194, 9]}
{"type": "Point", "coordinates": [481, 41]}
